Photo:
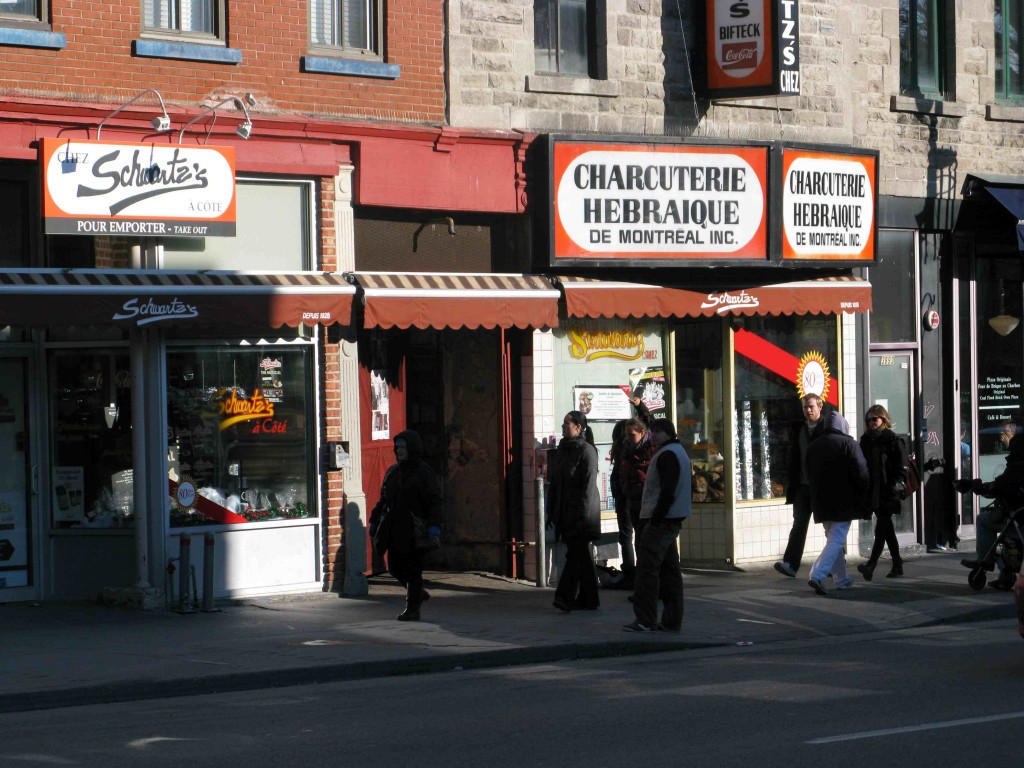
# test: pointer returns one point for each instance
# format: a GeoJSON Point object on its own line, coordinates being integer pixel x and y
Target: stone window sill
{"type": "Point", "coordinates": [573, 86]}
{"type": "Point", "coordinates": [923, 106]}
{"type": "Point", "coordinates": [161, 49]}
{"type": "Point", "coordinates": [326, 65]}
{"type": "Point", "coordinates": [32, 38]}
{"type": "Point", "coordinates": [1006, 113]}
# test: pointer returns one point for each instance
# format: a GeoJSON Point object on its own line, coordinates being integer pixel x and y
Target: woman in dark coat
{"type": "Point", "coordinates": [575, 509]}
{"type": "Point", "coordinates": [410, 489]}
{"type": "Point", "coordinates": [886, 455]}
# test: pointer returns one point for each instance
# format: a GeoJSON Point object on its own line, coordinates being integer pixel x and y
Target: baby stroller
{"type": "Point", "coordinates": [1008, 543]}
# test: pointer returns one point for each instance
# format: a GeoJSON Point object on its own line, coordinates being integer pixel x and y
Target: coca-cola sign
{"type": "Point", "coordinates": [752, 48]}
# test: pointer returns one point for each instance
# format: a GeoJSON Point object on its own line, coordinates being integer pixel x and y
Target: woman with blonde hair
{"type": "Point", "coordinates": [886, 455]}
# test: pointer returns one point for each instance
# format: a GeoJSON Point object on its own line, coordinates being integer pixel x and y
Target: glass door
{"type": "Point", "coordinates": [892, 377]}
{"type": "Point", "coordinates": [18, 544]}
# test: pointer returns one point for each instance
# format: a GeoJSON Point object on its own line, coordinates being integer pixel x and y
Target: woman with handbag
{"type": "Point", "coordinates": [406, 522]}
{"type": "Point", "coordinates": [886, 455]}
{"type": "Point", "coordinates": [575, 508]}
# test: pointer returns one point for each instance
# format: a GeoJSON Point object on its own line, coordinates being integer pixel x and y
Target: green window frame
{"type": "Point", "coordinates": [1009, 47]}
{"type": "Point", "coordinates": [922, 47]}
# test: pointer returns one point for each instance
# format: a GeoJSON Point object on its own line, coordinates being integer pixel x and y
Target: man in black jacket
{"type": "Point", "coordinates": [798, 490]}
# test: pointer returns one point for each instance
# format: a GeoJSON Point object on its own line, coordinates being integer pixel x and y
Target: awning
{"type": "Point", "coordinates": [587, 297]}
{"type": "Point", "coordinates": [448, 300]}
{"type": "Point", "coordinates": [158, 298]}
{"type": "Point", "coordinates": [1007, 191]}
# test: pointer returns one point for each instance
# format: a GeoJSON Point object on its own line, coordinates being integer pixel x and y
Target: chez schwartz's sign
{"type": "Point", "coordinates": [753, 48]}
{"type": "Point", "coordinates": [655, 203]}
{"type": "Point", "coordinates": [646, 204]}
{"type": "Point", "coordinates": [102, 188]}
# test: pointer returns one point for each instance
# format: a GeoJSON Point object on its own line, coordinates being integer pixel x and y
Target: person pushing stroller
{"type": "Point", "coordinates": [1008, 490]}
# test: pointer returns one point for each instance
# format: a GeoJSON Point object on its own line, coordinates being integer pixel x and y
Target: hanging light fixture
{"type": "Point", "coordinates": [244, 130]}
{"type": "Point", "coordinates": [1003, 323]}
{"type": "Point", "coordinates": [161, 123]}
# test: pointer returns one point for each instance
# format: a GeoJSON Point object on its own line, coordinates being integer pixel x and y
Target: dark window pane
{"type": "Point", "coordinates": [892, 289]}
{"type": "Point", "coordinates": [573, 37]}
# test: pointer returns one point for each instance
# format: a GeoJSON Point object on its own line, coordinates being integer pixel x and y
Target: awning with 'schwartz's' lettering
{"type": "Point", "coordinates": [160, 298]}
{"type": "Point", "coordinates": [588, 297]}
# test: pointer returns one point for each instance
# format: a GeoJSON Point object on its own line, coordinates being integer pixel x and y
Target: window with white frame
{"type": "Point", "coordinates": [346, 26]}
{"type": "Point", "coordinates": [200, 18]}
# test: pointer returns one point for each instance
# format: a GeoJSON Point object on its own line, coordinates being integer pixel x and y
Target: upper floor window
{"type": "Point", "coordinates": [922, 47]}
{"type": "Point", "coordinates": [1009, 24]}
{"type": "Point", "coordinates": [23, 11]}
{"type": "Point", "coordinates": [564, 36]}
{"type": "Point", "coordinates": [346, 25]}
{"type": "Point", "coordinates": [201, 18]}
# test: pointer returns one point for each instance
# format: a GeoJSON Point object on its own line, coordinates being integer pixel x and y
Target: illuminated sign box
{"type": "Point", "coordinates": [149, 190]}
{"type": "Point", "coordinates": [829, 202]}
{"type": "Point", "coordinates": [753, 48]}
{"type": "Point", "coordinates": [657, 203]}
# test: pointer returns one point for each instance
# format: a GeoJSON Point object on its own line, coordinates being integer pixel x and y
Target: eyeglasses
{"type": "Point", "coordinates": [872, 419]}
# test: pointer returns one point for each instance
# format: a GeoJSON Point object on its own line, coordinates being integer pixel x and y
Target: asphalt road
{"type": "Point", "coordinates": [951, 695]}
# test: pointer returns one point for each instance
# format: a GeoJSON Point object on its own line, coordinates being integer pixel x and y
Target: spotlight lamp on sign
{"type": "Point", "coordinates": [161, 123]}
{"type": "Point", "coordinates": [243, 131]}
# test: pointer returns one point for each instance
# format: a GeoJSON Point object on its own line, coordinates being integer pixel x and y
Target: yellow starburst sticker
{"type": "Point", "coordinates": [812, 376]}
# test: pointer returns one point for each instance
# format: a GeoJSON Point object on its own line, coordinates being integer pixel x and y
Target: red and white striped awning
{"type": "Point", "coordinates": [588, 297]}
{"type": "Point", "coordinates": [451, 300]}
{"type": "Point", "coordinates": [55, 297]}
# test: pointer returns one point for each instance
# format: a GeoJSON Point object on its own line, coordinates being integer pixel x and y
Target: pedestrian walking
{"type": "Point", "coordinates": [839, 479]}
{"type": "Point", "coordinates": [410, 490]}
{"type": "Point", "coordinates": [575, 507]}
{"type": "Point", "coordinates": [664, 506]}
{"type": "Point", "coordinates": [798, 488]}
{"type": "Point", "coordinates": [886, 456]}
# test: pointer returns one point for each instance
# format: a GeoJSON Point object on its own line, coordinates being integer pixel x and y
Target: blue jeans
{"type": "Point", "coordinates": [833, 558]}
{"type": "Point", "coordinates": [658, 575]}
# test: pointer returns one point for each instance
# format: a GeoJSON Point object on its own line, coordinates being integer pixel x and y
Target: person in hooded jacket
{"type": "Point", "coordinates": [886, 455]}
{"type": "Point", "coordinates": [410, 488]}
{"type": "Point", "coordinates": [574, 505]}
{"type": "Point", "coordinates": [839, 479]}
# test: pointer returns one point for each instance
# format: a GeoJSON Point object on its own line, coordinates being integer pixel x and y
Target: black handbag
{"type": "Point", "coordinates": [423, 541]}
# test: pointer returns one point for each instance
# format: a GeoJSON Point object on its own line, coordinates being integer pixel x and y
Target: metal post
{"type": "Point", "coordinates": [184, 569]}
{"type": "Point", "coordinates": [542, 549]}
{"type": "Point", "coordinates": [208, 568]}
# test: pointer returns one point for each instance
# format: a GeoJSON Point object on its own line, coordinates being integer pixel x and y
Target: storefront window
{"type": "Point", "coordinates": [239, 435]}
{"type": "Point", "coordinates": [599, 365]}
{"type": "Point", "coordinates": [699, 414]}
{"type": "Point", "coordinates": [767, 361]}
{"type": "Point", "coordinates": [1000, 367]}
{"type": "Point", "coordinates": [92, 451]}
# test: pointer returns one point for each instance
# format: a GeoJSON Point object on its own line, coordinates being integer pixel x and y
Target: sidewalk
{"type": "Point", "coordinates": [60, 654]}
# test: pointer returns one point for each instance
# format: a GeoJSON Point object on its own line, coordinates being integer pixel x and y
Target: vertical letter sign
{"type": "Point", "coordinates": [753, 48]}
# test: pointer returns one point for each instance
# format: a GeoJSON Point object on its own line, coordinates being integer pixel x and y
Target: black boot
{"type": "Point", "coordinates": [409, 614]}
{"type": "Point", "coordinates": [867, 570]}
{"type": "Point", "coordinates": [897, 570]}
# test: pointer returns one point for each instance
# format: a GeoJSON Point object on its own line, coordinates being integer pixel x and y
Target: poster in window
{"type": "Point", "coordinates": [380, 407]}
{"type": "Point", "coordinates": [649, 385]}
{"type": "Point", "coordinates": [68, 487]}
{"type": "Point", "coordinates": [271, 375]}
{"type": "Point", "coordinates": [13, 541]}
{"type": "Point", "coordinates": [601, 403]}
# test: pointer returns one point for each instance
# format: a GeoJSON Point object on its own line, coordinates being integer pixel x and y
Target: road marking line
{"type": "Point", "coordinates": [915, 728]}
